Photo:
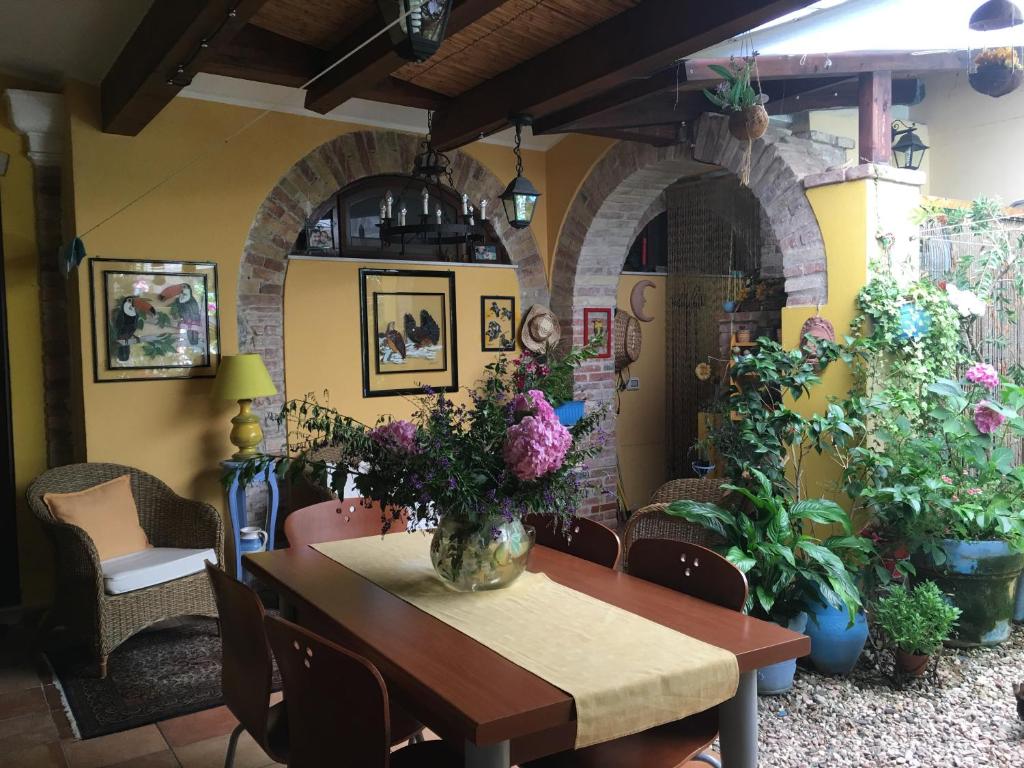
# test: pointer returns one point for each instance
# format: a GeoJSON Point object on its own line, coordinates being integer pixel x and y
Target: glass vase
{"type": "Point", "coordinates": [474, 555]}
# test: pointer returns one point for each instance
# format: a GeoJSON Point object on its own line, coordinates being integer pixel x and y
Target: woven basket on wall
{"type": "Point", "coordinates": [626, 338]}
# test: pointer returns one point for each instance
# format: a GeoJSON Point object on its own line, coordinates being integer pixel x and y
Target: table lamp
{"type": "Point", "coordinates": [243, 378]}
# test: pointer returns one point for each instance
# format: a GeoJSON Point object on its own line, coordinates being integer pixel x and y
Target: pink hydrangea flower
{"type": "Point", "coordinates": [987, 419]}
{"type": "Point", "coordinates": [984, 374]}
{"type": "Point", "coordinates": [397, 435]}
{"type": "Point", "coordinates": [538, 444]}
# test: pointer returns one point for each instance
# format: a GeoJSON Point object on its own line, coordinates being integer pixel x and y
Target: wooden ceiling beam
{"type": "Point", "coordinates": [777, 67]}
{"type": "Point", "coordinates": [144, 77]}
{"type": "Point", "coordinates": [391, 90]}
{"type": "Point", "coordinates": [796, 96]}
{"type": "Point", "coordinates": [655, 135]}
{"type": "Point", "coordinates": [371, 64]}
{"type": "Point", "coordinates": [266, 57]}
{"type": "Point", "coordinates": [632, 44]}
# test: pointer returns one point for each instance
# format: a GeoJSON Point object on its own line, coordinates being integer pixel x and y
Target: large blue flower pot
{"type": "Point", "coordinates": [981, 579]}
{"type": "Point", "coordinates": [569, 413]}
{"type": "Point", "coordinates": [1018, 609]}
{"type": "Point", "coordinates": [835, 646]}
{"type": "Point", "coordinates": [778, 678]}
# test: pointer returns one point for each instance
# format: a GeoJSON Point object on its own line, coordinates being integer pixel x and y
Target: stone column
{"type": "Point", "coordinates": [41, 119]}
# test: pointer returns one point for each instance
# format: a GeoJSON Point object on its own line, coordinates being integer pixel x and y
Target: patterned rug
{"type": "Point", "coordinates": [151, 677]}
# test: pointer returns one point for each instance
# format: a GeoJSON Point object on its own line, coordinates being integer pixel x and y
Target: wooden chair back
{"type": "Point", "coordinates": [691, 569]}
{"type": "Point", "coordinates": [337, 701]}
{"type": "Point", "coordinates": [247, 665]}
{"type": "Point", "coordinates": [335, 520]}
{"type": "Point", "coordinates": [582, 537]}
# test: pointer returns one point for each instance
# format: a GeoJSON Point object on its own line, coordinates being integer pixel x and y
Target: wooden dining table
{"type": "Point", "coordinates": [499, 712]}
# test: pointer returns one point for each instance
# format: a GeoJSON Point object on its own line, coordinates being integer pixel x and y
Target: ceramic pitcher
{"type": "Point", "coordinates": [252, 539]}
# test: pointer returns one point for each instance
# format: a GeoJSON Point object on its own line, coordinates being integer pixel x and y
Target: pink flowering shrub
{"type": "Point", "coordinates": [538, 443]}
{"type": "Point", "coordinates": [987, 419]}
{"type": "Point", "coordinates": [983, 374]}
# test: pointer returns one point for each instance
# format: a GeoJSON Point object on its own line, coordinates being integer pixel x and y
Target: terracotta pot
{"type": "Point", "coordinates": [749, 123]}
{"type": "Point", "coordinates": [994, 80]}
{"type": "Point", "coordinates": [913, 664]}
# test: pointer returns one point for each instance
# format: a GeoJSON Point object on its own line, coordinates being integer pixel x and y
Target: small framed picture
{"type": "Point", "coordinates": [497, 323]}
{"type": "Point", "coordinates": [154, 319]}
{"type": "Point", "coordinates": [485, 254]}
{"type": "Point", "coordinates": [597, 322]}
{"type": "Point", "coordinates": [409, 338]}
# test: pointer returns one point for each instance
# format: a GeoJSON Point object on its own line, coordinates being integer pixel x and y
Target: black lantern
{"type": "Point", "coordinates": [995, 14]}
{"type": "Point", "coordinates": [520, 196]}
{"type": "Point", "coordinates": [417, 26]}
{"type": "Point", "coordinates": [907, 148]}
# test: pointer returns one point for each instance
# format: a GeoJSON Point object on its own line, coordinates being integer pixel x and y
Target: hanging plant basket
{"type": "Point", "coordinates": [749, 123]}
{"type": "Point", "coordinates": [996, 80]}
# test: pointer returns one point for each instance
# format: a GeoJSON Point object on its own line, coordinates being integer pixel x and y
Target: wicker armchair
{"type": "Point", "coordinates": [653, 522]}
{"type": "Point", "coordinates": [81, 602]}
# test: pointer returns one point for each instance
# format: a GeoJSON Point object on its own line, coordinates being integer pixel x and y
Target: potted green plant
{"type": "Point", "coordinates": [737, 96]}
{"type": "Point", "coordinates": [554, 375]}
{"type": "Point", "coordinates": [916, 623]}
{"type": "Point", "coordinates": [785, 565]}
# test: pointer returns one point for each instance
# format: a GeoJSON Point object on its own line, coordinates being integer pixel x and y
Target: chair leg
{"type": "Point", "coordinates": [103, 666]}
{"type": "Point", "coordinates": [229, 759]}
{"type": "Point", "coordinates": [704, 757]}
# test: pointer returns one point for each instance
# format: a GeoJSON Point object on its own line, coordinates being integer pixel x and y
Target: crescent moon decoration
{"type": "Point", "coordinates": [637, 300]}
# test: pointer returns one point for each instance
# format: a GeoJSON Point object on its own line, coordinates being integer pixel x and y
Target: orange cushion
{"type": "Point", "coordinates": [106, 512]}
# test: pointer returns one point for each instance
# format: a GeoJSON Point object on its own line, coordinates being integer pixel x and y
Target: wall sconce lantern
{"type": "Point", "coordinates": [520, 196]}
{"type": "Point", "coordinates": [420, 26]}
{"type": "Point", "coordinates": [907, 148]}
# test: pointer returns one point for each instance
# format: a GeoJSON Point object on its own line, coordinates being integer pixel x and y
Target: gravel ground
{"type": "Point", "coordinates": [968, 719]}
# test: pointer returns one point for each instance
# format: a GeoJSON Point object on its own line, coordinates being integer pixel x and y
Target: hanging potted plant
{"type": "Point", "coordinates": [997, 71]}
{"type": "Point", "coordinates": [736, 96]}
{"type": "Point", "coordinates": [916, 622]}
{"type": "Point", "coordinates": [553, 374]}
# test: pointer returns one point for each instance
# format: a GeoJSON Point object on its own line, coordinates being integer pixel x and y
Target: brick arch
{"type": "Point", "coordinates": [623, 189]}
{"type": "Point", "coordinates": [320, 174]}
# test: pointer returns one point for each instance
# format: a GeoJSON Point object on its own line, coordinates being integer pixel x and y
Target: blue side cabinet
{"type": "Point", "coordinates": [237, 507]}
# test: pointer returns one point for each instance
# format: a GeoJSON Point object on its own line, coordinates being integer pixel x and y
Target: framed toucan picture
{"type": "Point", "coordinates": [409, 338]}
{"type": "Point", "coordinates": [154, 319]}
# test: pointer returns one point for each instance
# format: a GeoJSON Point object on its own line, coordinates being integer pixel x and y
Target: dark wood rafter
{"type": "Point", "coordinates": [372, 64]}
{"type": "Point", "coordinates": [874, 117]}
{"type": "Point", "coordinates": [266, 57]}
{"type": "Point", "coordinates": [144, 77]}
{"type": "Point", "coordinates": [655, 135]}
{"type": "Point", "coordinates": [646, 38]}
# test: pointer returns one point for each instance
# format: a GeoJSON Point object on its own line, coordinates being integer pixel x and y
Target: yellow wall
{"type": "Point", "coordinates": [173, 428]}
{"type": "Point", "coordinates": [322, 332]}
{"type": "Point", "coordinates": [21, 274]}
{"type": "Point", "coordinates": [640, 427]}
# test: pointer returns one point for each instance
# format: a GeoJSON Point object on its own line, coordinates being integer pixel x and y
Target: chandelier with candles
{"type": "Point", "coordinates": [431, 224]}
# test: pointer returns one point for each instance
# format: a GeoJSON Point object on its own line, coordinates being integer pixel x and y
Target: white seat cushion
{"type": "Point", "coordinates": [152, 566]}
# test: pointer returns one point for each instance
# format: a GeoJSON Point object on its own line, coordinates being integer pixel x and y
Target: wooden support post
{"type": "Point", "coordinates": [874, 118]}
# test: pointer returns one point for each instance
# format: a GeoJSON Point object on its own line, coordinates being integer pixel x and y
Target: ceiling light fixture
{"type": "Point", "coordinates": [520, 196]}
{"type": "Point", "coordinates": [420, 26]}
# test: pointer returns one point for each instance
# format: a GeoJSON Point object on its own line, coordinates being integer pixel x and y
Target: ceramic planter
{"type": "Point", "coordinates": [778, 678]}
{"type": "Point", "coordinates": [995, 79]}
{"type": "Point", "coordinates": [981, 578]}
{"type": "Point", "coordinates": [912, 664]}
{"type": "Point", "coordinates": [1018, 611]}
{"type": "Point", "coordinates": [569, 413]}
{"type": "Point", "coordinates": [835, 646]}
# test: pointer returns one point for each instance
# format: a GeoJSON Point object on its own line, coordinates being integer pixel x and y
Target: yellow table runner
{"type": "Point", "coordinates": [626, 673]}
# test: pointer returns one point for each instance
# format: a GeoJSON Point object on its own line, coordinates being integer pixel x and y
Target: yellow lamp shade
{"type": "Point", "coordinates": [243, 377]}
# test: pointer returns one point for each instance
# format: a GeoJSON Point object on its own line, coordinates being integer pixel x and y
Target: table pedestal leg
{"type": "Point", "coordinates": [737, 725]}
{"type": "Point", "coordinates": [492, 756]}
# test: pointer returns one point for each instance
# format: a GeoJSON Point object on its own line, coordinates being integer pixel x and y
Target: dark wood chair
{"type": "Point", "coordinates": [693, 570]}
{"type": "Point", "coordinates": [335, 520]}
{"type": "Point", "coordinates": [338, 707]}
{"type": "Point", "coordinates": [583, 538]}
{"type": "Point", "coordinates": [247, 668]}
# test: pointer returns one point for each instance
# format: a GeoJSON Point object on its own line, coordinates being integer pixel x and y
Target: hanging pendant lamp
{"type": "Point", "coordinates": [520, 196]}
{"type": "Point", "coordinates": [995, 14]}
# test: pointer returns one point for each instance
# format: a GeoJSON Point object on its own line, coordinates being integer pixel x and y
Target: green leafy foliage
{"type": "Point", "coordinates": [736, 91]}
{"type": "Point", "coordinates": [917, 620]}
{"type": "Point", "coordinates": [785, 567]}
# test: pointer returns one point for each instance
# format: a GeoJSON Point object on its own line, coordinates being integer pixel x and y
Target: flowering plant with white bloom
{"type": "Point", "coordinates": [966, 303]}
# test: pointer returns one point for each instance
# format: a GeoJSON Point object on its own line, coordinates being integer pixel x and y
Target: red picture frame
{"type": "Point", "coordinates": [596, 319]}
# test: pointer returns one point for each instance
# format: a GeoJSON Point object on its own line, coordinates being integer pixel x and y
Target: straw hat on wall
{"type": "Point", "coordinates": [540, 329]}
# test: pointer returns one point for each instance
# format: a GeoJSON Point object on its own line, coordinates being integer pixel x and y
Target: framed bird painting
{"type": "Point", "coordinates": [497, 323]}
{"type": "Point", "coordinates": [154, 319]}
{"type": "Point", "coordinates": [409, 339]}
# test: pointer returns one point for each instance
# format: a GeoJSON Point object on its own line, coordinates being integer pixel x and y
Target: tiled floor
{"type": "Point", "coordinates": [35, 733]}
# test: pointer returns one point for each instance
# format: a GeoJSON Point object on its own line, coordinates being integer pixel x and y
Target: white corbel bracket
{"type": "Point", "coordinates": [40, 118]}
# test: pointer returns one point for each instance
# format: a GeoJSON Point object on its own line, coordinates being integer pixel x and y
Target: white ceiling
{"type": "Point", "coordinates": [50, 40]}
